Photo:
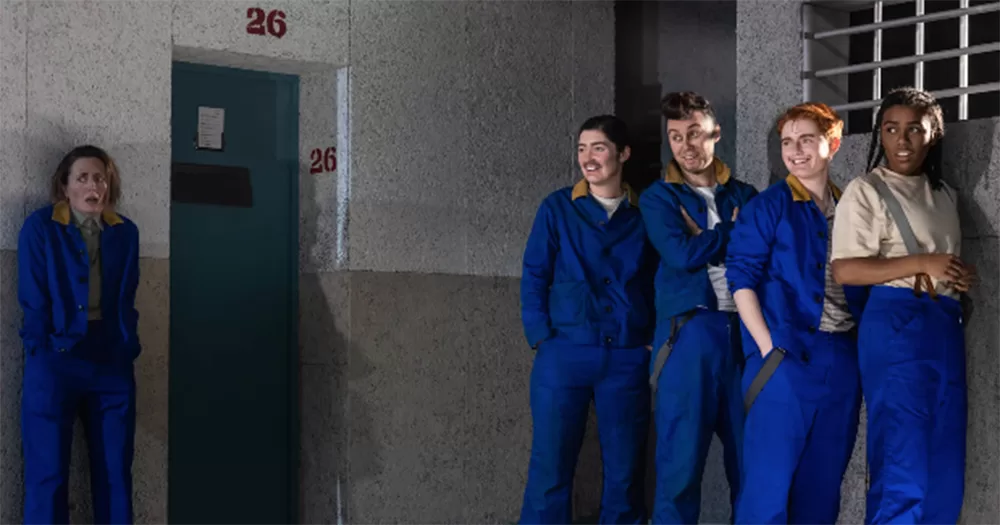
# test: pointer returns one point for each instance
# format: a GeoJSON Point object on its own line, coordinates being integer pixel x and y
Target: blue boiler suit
{"type": "Point", "coordinates": [800, 430]}
{"type": "Point", "coordinates": [697, 390]}
{"type": "Point", "coordinates": [586, 305]}
{"type": "Point", "coordinates": [912, 353]}
{"type": "Point", "coordinates": [77, 367]}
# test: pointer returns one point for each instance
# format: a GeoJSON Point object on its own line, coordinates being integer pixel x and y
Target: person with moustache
{"type": "Point", "coordinates": [78, 273]}
{"type": "Point", "coordinates": [586, 305]}
{"type": "Point", "coordinates": [801, 382]}
{"type": "Point", "coordinates": [695, 371]}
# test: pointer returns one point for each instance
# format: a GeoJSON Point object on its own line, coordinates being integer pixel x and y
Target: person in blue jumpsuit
{"type": "Point", "coordinates": [697, 358]}
{"type": "Point", "coordinates": [77, 278]}
{"type": "Point", "coordinates": [800, 383]}
{"type": "Point", "coordinates": [898, 229]}
{"type": "Point", "coordinates": [586, 305]}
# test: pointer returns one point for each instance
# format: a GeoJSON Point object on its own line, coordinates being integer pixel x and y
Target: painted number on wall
{"type": "Point", "coordinates": [323, 161]}
{"type": "Point", "coordinates": [272, 23]}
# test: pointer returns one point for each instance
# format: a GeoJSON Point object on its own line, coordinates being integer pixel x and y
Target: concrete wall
{"type": "Point", "coordinates": [451, 119]}
{"type": "Point", "coordinates": [769, 58]}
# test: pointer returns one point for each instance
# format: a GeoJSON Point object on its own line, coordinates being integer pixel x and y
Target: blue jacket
{"type": "Point", "coordinates": [53, 270]}
{"type": "Point", "coordinates": [682, 281]}
{"type": "Point", "coordinates": [588, 280]}
{"type": "Point", "coordinates": [779, 249]}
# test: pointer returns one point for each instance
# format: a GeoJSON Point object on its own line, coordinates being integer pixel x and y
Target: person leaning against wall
{"type": "Point", "coordinates": [586, 305]}
{"type": "Point", "coordinates": [801, 383]}
{"type": "Point", "coordinates": [898, 229]}
{"type": "Point", "coordinates": [695, 376]}
{"type": "Point", "coordinates": [77, 278]}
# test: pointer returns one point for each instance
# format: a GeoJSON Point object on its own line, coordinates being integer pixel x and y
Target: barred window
{"type": "Point", "coordinates": [857, 51]}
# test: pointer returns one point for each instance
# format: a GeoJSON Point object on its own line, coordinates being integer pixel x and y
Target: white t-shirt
{"type": "Point", "coordinates": [864, 227]}
{"type": "Point", "coordinates": [716, 274]}
{"type": "Point", "coordinates": [609, 205]}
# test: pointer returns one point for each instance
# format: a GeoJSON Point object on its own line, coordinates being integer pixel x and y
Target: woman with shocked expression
{"type": "Point", "coordinates": [911, 340]}
{"type": "Point", "coordinates": [78, 273]}
{"type": "Point", "coordinates": [800, 383]}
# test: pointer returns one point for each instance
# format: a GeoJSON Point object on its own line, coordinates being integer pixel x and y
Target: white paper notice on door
{"type": "Point", "coordinates": [211, 125]}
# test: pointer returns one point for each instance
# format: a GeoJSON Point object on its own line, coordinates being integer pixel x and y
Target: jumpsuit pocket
{"type": "Point", "coordinates": [568, 303]}
{"type": "Point", "coordinates": [766, 378]}
{"type": "Point", "coordinates": [44, 384]}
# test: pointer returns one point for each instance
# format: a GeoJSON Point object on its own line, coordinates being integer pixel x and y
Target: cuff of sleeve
{"type": "Point", "coordinates": [537, 334]}
{"type": "Point", "coordinates": [737, 284]}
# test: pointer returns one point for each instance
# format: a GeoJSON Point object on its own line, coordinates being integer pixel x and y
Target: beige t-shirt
{"type": "Point", "coordinates": [864, 228]}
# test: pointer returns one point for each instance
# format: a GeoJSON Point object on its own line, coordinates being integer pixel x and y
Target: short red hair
{"type": "Point", "coordinates": [829, 123]}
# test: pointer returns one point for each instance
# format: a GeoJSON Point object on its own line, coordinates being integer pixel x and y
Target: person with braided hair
{"type": "Point", "coordinates": [897, 230]}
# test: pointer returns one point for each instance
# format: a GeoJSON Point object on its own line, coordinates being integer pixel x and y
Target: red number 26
{"type": "Point", "coordinates": [275, 22]}
{"type": "Point", "coordinates": [323, 161]}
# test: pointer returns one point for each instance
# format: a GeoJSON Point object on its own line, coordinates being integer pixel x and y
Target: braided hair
{"type": "Point", "coordinates": [926, 104]}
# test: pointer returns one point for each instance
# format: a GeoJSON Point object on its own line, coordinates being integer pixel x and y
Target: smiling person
{"type": "Point", "coordinates": [586, 305]}
{"type": "Point", "coordinates": [77, 278]}
{"type": "Point", "coordinates": [695, 375]}
{"type": "Point", "coordinates": [898, 229]}
{"type": "Point", "coordinates": [801, 384]}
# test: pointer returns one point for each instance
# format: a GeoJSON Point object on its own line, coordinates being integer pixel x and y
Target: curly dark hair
{"type": "Point", "coordinates": [679, 105]}
{"type": "Point", "coordinates": [928, 105]}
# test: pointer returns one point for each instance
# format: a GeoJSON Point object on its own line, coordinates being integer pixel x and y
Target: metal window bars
{"type": "Point", "coordinates": [962, 91]}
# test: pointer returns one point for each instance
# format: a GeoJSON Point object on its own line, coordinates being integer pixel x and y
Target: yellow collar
{"type": "Point", "coordinates": [674, 175]}
{"type": "Point", "coordinates": [60, 214]}
{"type": "Point", "coordinates": [582, 189]}
{"type": "Point", "coordinates": [801, 194]}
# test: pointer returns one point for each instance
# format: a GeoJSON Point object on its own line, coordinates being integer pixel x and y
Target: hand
{"type": "Point", "coordinates": [968, 279]}
{"type": "Point", "coordinates": [649, 347]}
{"type": "Point", "coordinates": [692, 226]}
{"type": "Point", "coordinates": [765, 348]}
{"type": "Point", "coordinates": [736, 211]}
{"type": "Point", "coordinates": [942, 266]}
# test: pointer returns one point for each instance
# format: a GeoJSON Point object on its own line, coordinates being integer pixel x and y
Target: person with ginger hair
{"type": "Point", "coordinates": [78, 273]}
{"type": "Point", "coordinates": [801, 382]}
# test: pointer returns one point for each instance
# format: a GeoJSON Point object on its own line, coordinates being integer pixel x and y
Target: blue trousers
{"type": "Point", "coordinates": [58, 386]}
{"type": "Point", "coordinates": [698, 394]}
{"type": "Point", "coordinates": [800, 432]}
{"type": "Point", "coordinates": [912, 353]}
{"type": "Point", "coordinates": [564, 380]}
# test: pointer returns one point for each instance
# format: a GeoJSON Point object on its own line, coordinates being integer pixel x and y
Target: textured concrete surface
{"type": "Point", "coordinates": [11, 359]}
{"type": "Point", "coordinates": [768, 68]}
{"type": "Point", "coordinates": [490, 130]}
{"type": "Point", "coordinates": [316, 30]}
{"type": "Point", "coordinates": [415, 401]}
{"type": "Point", "coordinates": [120, 100]}
{"type": "Point", "coordinates": [318, 202]}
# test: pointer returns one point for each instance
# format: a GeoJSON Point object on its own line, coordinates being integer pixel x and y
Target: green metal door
{"type": "Point", "coordinates": [233, 299]}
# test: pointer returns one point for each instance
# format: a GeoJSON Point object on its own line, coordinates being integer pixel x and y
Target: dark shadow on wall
{"type": "Point", "coordinates": [637, 99]}
{"type": "Point", "coordinates": [775, 165]}
{"type": "Point", "coordinates": [329, 415]}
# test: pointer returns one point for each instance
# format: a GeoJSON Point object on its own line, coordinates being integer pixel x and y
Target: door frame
{"type": "Point", "coordinates": [287, 149]}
